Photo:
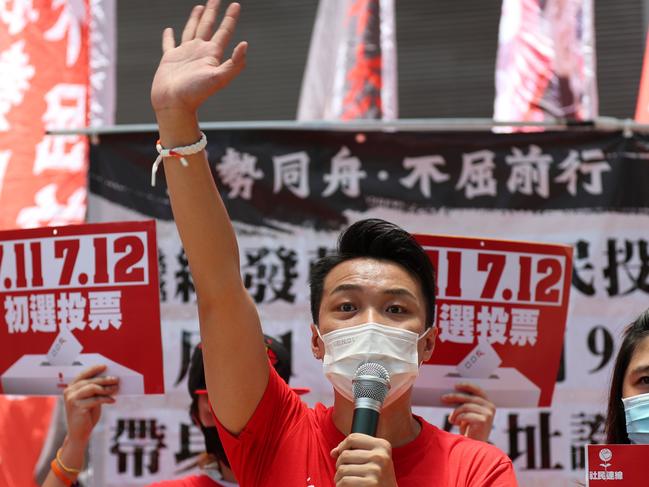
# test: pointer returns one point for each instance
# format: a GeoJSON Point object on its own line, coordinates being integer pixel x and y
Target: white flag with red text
{"type": "Point", "coordinates": [545, 68]}
{"type": "Point", "coordinates": [351, 72]}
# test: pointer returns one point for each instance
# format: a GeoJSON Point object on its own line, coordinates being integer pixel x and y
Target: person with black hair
{"type": "Point", "coordinates": [374, 301]}
{"type": "Point", "coordinates": [627, 419]}
{"type": "Point", "coordinates": [214, 464]}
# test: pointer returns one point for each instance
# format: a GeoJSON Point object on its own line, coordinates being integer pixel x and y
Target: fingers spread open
{"type": "Point", "coordinates": [206, 23]}
{"type": "Point", "coordinates": [168, 42]}
{"type": "Point", "coordinates": [189, 32]}
{"type": "Point", "coordinates": [230, 70]}
{"type": "Point", "coordinates": [222, 36]}
{"type": "Point", "coordinates": [239, 53]}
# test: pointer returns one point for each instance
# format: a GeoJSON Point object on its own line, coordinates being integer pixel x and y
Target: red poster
{"type": "Point", "coordinates": [77, 296]}
{"type": "Point", "coordinates": [501, 314]}
{"type": "Point", "coordinates": [616, 465]}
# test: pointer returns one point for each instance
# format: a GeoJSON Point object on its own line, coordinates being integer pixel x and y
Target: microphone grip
{"type": "Point", "coordinates": [365, 420]}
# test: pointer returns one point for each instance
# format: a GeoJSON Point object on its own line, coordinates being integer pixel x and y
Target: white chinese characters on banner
{"type": "Point", "coordinates": [425, 169]}
{"type": "Point", "coordinates": [70, 21]}
{"type": "Point", "coordinates": [16, 73]}
{"type": "Point", "coordinates": [238, 173]}
{"type": "Point", "coordinates": [530, 172]}
{"type": "Point", "coordinates": [66, 108]}
{"type": "Point", "coordinates": [71, 310]}
{"type": "Point", "coordinates": [5, 156]}
{"type": "Point", "coordinates": [477, 178]}
{"type": "Point", "coordinates": [17, 14]}
{"type": "Point", "coordinates": [50, 312]}
{"type": "Point", "coordinates": [345, 174]}
{"type": "Point", "coordinates": [48, 209]}
{"type": "Point", "coordinates": [292, 172]}
{"type": "Point", "coordinates": [43, 57]}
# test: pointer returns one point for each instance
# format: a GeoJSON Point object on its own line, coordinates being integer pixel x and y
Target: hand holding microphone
{"type": "Point", "coordinates": [360, 455]}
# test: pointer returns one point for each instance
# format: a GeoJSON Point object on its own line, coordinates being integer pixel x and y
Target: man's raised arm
{"type": "Point", "coordinates": [236, 364]}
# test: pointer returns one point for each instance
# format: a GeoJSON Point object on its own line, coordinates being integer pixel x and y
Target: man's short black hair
{"type": "Point", "coordinates": [377, 239]}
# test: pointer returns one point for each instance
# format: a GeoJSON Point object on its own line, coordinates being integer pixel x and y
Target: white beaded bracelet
{"type": "Point", "coordinates": [186, 150]}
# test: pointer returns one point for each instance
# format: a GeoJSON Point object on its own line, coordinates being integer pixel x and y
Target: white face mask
{"type": "Point", "coordinates": [394, 348]}
{"type": "Point", "coordinates": [636, 410]}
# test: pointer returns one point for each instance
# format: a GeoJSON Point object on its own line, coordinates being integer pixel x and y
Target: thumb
{"type": "Point", "coordinates": [231, 68]}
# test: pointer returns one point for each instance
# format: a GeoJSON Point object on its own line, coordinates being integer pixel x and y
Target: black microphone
{"type": "Point", "coordinates": [370, 386]}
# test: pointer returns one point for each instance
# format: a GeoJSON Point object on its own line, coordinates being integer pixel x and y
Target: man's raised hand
{"type": "Point", "coordinates": [188, 74]}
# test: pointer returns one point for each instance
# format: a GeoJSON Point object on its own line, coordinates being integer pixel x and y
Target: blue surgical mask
{"type": "Point", "coordinates": [636, 410]}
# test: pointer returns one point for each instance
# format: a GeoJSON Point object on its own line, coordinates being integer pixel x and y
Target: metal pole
{"type": "Point", "coordinates": [421, 125]}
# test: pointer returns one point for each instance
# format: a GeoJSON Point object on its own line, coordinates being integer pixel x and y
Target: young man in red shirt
{"type": "Point", "coordinates": [377, 294]}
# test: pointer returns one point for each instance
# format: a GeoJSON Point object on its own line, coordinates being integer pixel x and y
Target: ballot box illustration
{"type": "Point", "coordinates": [505, 386]}
{"type": "Point", "coordinates": [34, 375]}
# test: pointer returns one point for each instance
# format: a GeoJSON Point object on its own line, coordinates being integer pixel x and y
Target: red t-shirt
{"type": "Point", "coordinates": [287, 443]}
{"type": "Point", "coordinates": [191, 481]}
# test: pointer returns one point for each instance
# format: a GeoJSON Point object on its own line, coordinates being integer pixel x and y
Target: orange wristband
{"type": "Point", "coordinates": [74, 471]}
{"type": "Point", "coordinates": [58, 471]}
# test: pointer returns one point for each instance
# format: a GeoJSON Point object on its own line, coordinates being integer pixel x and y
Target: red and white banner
{"type": "Point", "coordinates": [501, 310]}
{"type": "Point", "coordinates": [616, 465]}
{"type": "Point", "coordinates": [44, 77]}
{"type": "Point", "coordinates": [78, 296]}
{"type": "Point", "coordinates": [351, 72]}
{"type": "Point", "coordinates": [545, 68]}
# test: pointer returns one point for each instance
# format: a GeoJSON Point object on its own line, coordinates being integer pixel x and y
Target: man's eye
{"type": "Point", "coordinates": [396, 309]}
{"type": "Point", "coordinates": [644, 380]}
{"type": "Point", "coordinates": [346, 307]}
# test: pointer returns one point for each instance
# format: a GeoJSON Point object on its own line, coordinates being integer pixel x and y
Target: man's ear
{"type": "Point", "coordinates": [428, 340]}
{"type": "Point", "coordinates": [317, 346]}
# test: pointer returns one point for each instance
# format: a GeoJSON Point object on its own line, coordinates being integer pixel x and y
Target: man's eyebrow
{"type": "Point", "coordinates": [346, 287]}
{"type": "Point", "coordinates": [397, 291]}
{"type": "Point", "coordinates": [400, 291]}
{"type": "Point", "coordinates": [640, 369]}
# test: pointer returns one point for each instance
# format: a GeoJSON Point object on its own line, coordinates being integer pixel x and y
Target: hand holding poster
{"type": "Point", "coordinates": [501, 314]}
{"type": "Point", "coordinates": [77, 296]}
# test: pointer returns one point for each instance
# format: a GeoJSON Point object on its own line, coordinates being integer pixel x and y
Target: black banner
{"type": "Point", "coordinates": [310, 177]}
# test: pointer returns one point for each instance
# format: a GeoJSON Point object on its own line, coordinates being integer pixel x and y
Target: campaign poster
{"type": "Point", "coordinates": [501, 313]}
{"type": "Point", "coordinates": [76, 296]}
